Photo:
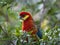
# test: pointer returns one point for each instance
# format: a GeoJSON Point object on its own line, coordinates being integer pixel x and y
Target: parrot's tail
{"type": "Point", "coordinates": [39, 33]}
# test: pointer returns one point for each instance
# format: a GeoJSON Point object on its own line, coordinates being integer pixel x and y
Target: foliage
{"type": "Point", "coordinates": [10, 25]}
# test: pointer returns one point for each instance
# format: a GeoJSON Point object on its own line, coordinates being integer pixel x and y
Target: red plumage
{"type": "Point", "coordinates": [28, 24]}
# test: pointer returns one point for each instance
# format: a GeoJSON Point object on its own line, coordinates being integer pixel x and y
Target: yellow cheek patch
{"type": "Point", "coordinates": [25, 17]}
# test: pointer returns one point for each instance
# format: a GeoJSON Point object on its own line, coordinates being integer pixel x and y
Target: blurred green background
{"type": "Point", "coordinates": [46, 14]}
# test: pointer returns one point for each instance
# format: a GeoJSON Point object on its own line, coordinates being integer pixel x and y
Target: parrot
{"type": "Point", "coordinates": [29, 26]}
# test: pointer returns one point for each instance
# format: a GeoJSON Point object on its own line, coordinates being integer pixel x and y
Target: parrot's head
{"type": "Point", "coordinates": [24, 15]}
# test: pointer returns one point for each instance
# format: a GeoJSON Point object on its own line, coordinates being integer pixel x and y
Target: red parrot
{"type": "Point", "coordinates": [28, 24]}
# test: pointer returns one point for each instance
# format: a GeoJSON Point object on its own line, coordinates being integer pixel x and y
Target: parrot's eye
{"type": "Point", "coordinates": [23, 15]}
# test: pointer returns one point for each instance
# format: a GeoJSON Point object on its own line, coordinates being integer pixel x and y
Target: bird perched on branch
{"type": "Point", "coordinates": [28, 25]}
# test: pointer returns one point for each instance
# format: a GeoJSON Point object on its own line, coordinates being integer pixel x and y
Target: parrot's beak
{"type": "Point", "coordinates": [21, 19]}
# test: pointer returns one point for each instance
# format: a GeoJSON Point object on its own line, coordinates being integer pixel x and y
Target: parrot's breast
{"type": "Point", "coordinates": [28, 25]}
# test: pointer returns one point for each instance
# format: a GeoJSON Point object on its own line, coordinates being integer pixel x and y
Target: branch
{"type": "Point", "coordinates": [3, 29]}
{"type": "Point", "coordinates": [43, 11]}
{"type": "Point", "coordinates": [5, 33]}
